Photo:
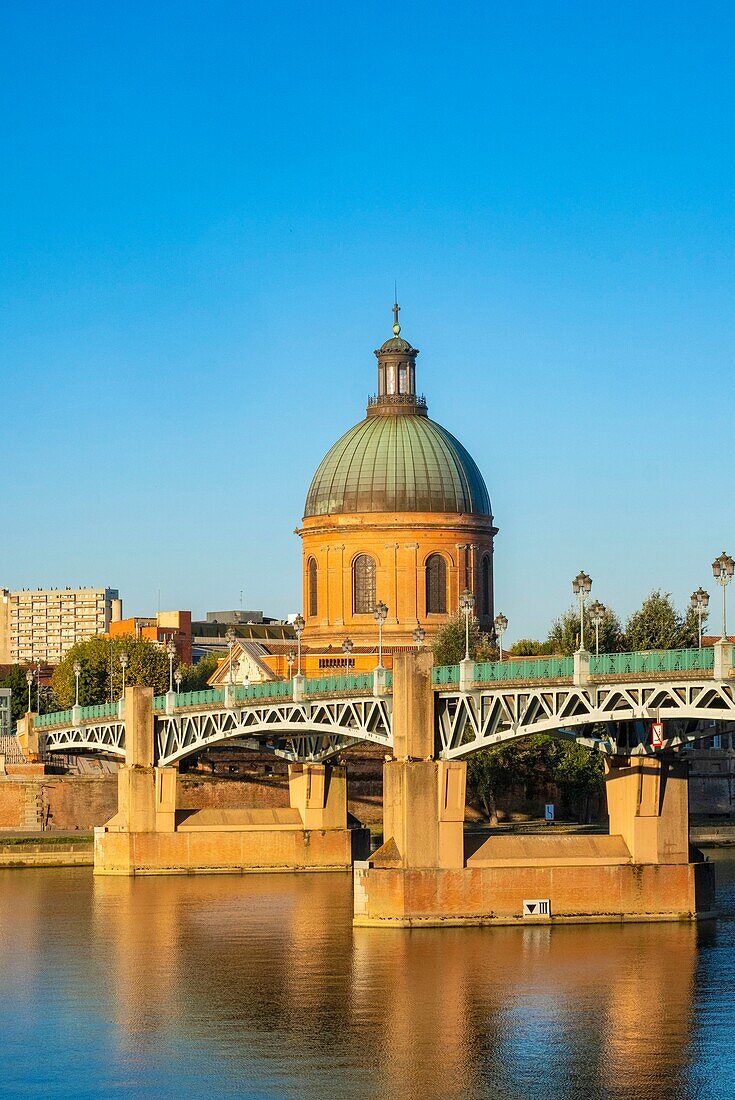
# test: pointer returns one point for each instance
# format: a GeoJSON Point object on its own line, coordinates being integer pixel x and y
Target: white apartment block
{"type": "Point", "coordinates": [42, 624]}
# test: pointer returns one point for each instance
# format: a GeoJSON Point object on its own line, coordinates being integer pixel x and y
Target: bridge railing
{"type": "Point", "coordinates": [358, 681]}
{"type": "Point", "coordinates": [525, 668]}
{"type": "Point", "coordinates": [654, 660]}
{"type": "Point", "coordinates": [56, 718]}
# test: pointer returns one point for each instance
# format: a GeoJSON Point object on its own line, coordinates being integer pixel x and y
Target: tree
{"type": "Point", "coordinates": [579, 776]}
{"type": "Point", "coordinates": [534, 763]}
{"type": "Point", "coordinates": [658, 625]}
{"type": "Point", "coordinates": [196, 677]}
{"type": "Point", "coordinates": [99, 659]}
{"type": "Point", "coordinates": [449, 643]}
{"type": "Point", "coordinates": [15, 679]}
{"type": "Point", "coordinates": [530, 647]}
{"type": "Point", "coordinates": [564, 633]}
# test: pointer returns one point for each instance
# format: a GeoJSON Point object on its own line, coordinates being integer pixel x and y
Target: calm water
{"type": "Point", "coordinates": [258, 987]}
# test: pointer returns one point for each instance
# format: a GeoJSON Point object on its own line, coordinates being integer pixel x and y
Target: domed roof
{"type": "Point", "coordinates": [397, 464]}
{"type": "Point", "coordinates": [395, 343]}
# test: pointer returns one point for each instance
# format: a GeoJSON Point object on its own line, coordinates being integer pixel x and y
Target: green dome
{"type": "Point", "coordinates": [397, 464]}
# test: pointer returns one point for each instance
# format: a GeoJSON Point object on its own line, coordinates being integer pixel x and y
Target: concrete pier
{"type": "Point", "coordinates": [152, 835]}
{"type": "Point", "coordinates": [642, 871]}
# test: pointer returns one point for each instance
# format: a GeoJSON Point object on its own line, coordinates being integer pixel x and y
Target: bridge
{"type": "Point", "coordinates": [639, 709]}
{"type": "Point", "coordinates": [606, 702]}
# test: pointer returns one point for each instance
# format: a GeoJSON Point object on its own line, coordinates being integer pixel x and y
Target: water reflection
{"type": "Point", "coordinates": [258, 986]}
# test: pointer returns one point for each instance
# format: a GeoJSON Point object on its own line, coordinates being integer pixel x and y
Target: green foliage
{"type": "Point", "coordinates": [564, 633]}
{"type": "Point", "coordinates": [195, 677]}
{"type": "Point", "coordinates": [15, 679]}
{"type": "Point", "coordinates": [532, 764]}
{"type": "Point", "coordinates": [449, 644]}
{"type": "Point", "coordinates": [658, 625]}
{"type": "Point", "coordinates": [99, 658]}
{"type": "Point", "coordinates": [530, 647]}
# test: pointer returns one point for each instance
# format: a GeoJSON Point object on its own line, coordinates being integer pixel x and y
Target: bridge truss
{"type": "Point", "coordinates": [310, 730]}
{"type": "Point", "coordinates": [598, 715]}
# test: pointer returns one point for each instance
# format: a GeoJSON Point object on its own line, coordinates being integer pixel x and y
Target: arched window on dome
{"type": "Point", "coordinates": [313, 601]}
{"type": "Point", "coordinates": [363, 585]}
{"type": "Point", "coordinates": [436, 585]}
{"type": "Point", "coordinates": [485, 585]}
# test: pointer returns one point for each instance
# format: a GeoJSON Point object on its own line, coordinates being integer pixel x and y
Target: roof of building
{"type": "Point", "coordinates": [402, 463]}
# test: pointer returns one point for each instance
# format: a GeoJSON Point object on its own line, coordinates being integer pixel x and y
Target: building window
{"type": "Point", "coordinates": [313, 593]}
{"type": "Point", "coordinates": [485, 585]}
{"type": "Point", "coordinates": [436, 585]}
{"type": "Point", "coordinates": [363, 585]}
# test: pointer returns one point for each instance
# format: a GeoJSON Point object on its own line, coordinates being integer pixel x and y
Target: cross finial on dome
{"type": "Point", "coordinates": [396, 311]}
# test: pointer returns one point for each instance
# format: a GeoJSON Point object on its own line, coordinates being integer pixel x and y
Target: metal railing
{"type": "Point", "coordinates": [485, 672]}
{"type": "Point", "coordinates": [493, 672]}
{"type": "Point", "coordinates": [654, 660]}
{"type": "Point", "coordinates": [325, 685]}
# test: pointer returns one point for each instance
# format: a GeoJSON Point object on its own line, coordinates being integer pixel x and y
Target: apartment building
{"type": "Point", "coordinates": [42, 624]}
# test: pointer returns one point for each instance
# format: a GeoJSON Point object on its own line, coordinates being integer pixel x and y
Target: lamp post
{"type": "Point", "coordinates": [723, 569]}
{"type": "Point", "coordinates": [234, 669]}
{"type": "Point", "coordinates": [123, 666]}
{"type": "Point", "coordinates": [419, 635]}
{"type": "Point", "coordinates": [290, 658]}
{"type": "Point", "coordinates": [581, 587]}
{"type": "Point", "coordinates": [700, 603]}
{"type": "Point", "coordinates": [230, 639]}
{"type": "Point", "coordinates": [597, 614]}
{"type": "Point", "coordinates": [298, 625]}
{"type": "Point", "coordinates": [29, 681]}
{"type": "Point", "coordinates": [380, 614]}
{"type": "Point", "coordinates": [178, 678]}
{"type": "Point", "coordinates": [347, 646]}
{"type": "Point", "coordinates": [77, 672]}
{"type": "Point", "coordinates": [171, 650]}
{"type": "Point", "coordinates": [466, 603]}
{"type": "Point", "coordinates": [501, 625]}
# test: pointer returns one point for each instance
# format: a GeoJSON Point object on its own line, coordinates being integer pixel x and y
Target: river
{"type": "Point", "coordinates": [257, 986]}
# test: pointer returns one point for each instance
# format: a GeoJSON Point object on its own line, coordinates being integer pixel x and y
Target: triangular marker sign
{"type": "Point", "coordinates": [531, 905]}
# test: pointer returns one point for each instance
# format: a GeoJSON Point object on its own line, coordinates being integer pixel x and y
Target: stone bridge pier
{"type": "Point", "coordinates": [152, 835]}
{"type": "Point", "coordinates": [423, 875]}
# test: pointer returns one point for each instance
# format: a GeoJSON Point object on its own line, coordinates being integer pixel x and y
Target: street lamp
{"type": "Point", "coordinates": [29, 681]}
{"type": "Point", "coordinates": [723, 569]}
{"type": "Point", "coordinates": [700, 603]}
{"type": "Point", "coordinates": [581, 587]}
{"type": "Point", "coordinates": [298, 625]}
{"type": "Point", "coordinates": [171, 650]}
{"type": "Point", "coordinates": [77, 672]}
{"type": "Point", "coordinates": [230, 637]}
{"type": "Point", "coordinates": [597, 615]}
{"type": "Point", "coordinates": [501, 625]}
{"type": "Point", "coordinates": [418, 636]}
{"type": "Point", "coordinates": [466, 603]}
{"type": "Point", "coordinates": [380, 614]}
{"type": "Point", "coordinates": [347, 646]}
{"type": "Point", "coordinates": [123, 666]}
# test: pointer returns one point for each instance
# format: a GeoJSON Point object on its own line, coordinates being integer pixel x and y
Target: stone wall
{"type": "Point", "coordinates": [71, 802]}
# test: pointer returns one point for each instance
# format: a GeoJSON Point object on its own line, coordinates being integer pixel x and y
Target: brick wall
{"type": "Point", "coordinates": [73, 802]}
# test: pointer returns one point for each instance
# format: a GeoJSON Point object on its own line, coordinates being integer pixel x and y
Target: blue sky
{"type": "Point", "coordinates": [203, 208]}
